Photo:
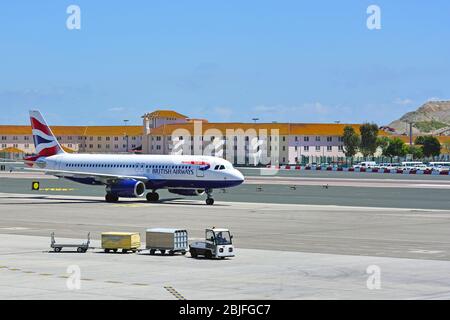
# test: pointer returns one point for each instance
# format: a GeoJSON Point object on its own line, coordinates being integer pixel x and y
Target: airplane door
{"type": "Point", "coordinates": [200, 173]}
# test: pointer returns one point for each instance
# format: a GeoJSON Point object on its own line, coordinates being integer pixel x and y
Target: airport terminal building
{"type": "Point", "coordinates": [169, 132]}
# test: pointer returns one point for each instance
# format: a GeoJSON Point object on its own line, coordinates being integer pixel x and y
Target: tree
{"type": "Point", "coordinates": [431, 147]}
{"type": "Point", "coordinates": [395, 148]}
{"type": "Point", "coordinates": [369, 135]}
{"type": "Point", "coordinates": [415, 151]}
{"type": "Point", "coordinates": [351, 141]}
{"type": "Point", "coordinates": [383, 143]}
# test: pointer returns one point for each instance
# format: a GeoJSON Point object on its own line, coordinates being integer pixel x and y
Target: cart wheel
{"type": "Point", "coordinates": [152, 251]}
{"type": "Point", "coordinates": [114, 250]}
{"type": "Point", "coordinates": [107, 250]}
{"type": "Point", "coordinates": [84, 250]}
{"type": "Point", "coordinates": [124, 250]}
{"type": "Point", "coordinates": [80, 249]}
{"type": "Point", "coordinates": [163, 252]}
{"type": "Point", "coordinates": [57, 249]}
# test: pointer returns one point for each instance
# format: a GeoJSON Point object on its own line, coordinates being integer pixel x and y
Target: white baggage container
{"type": "Point", "coordinates": [166, 239]}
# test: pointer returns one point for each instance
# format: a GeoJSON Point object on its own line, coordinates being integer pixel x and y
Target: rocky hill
{"type": "Point", "coordinates": [431, 118]}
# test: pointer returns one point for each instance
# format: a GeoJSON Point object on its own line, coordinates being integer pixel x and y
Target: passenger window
{"type": "Point", "coordinates": [216, 167]}
{"type": "Point", "coordinates": [222, 167]}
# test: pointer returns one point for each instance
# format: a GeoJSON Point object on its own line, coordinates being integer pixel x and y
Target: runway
{"type": "Point", "coordinates": [293, 241]}
{"type": "Point", "coordinates": [391, 232]}
{"type": "Point", "coordinates": [284, 251]}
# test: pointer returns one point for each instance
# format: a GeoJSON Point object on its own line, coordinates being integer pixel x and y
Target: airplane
{"type": "Point", "coordinates": [130, 175]}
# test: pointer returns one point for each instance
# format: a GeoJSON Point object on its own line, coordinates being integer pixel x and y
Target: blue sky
{"type": "Point", "coordinates": [290, 61]}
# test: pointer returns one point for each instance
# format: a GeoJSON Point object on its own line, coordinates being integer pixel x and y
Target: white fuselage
{"type": "Point", "coordinates": [162, 171]}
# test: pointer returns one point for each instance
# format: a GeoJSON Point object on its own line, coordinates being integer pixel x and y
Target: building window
{"type": "Point", "coordinates": [99, 138]}
{"type": "Point", "coordinates": [296, 138]}
{"type": "Point", "coordinates": [26, 138]}
{"type": "Point", "coordinates": [317, 148]}
{"type": "Point", "coordinates": [158, 147]}
{"type": "Point", "coordinates": [14, 137]}
{"type": "Point", "coordinates": [107, 146]}
{"type": "Point", "coordinates": [329, 139]}
{"type": "Point", "coordinates": [341, 148]}
{"type": "Point", "coordinates": [306, 148]}
{"type": "Point", "coordinates": [306, 138]}
{"type": "Point", "coordinates": [317, 138]}
{"type": "Point", "coordinates": [341, 139]}
{"type": "Point", "coordinates": [108, 138]}
{"type": "Point", "coordinates": [329, 148]}
{"type": "Point", "coordinates": [99, 146]}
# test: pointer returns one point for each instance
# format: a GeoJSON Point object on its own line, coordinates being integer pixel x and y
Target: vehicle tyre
{"type": "Point", "coordinates": [152, 197]}
{"type": "Point", "coordinates": [124, 250]}
{"type": "Point", "coordinates": [163, 252]}
{"type": "Point", "coordinates": [208, 254]}
{"type": "Point", "coordinates": [171, 252]}
{"type": "Point", "coordinates": [210, 201]}
{"type": "Point", "coordinates": [57, 249]}
{"type": "Point", "coordinates": [114, 250]}
{"type": "Point", "coordinates": [152, 252]}
{"type": "Point", "coordinates": [109, 197]}
{"type": "Point", "coordinates": [79, 249]}
{"type": "Point", "coordinates": [107, 250]}
{"type": "Point", "coordinates": [193, 253]}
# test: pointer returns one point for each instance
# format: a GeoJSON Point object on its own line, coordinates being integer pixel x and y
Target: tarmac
{"type": "Point", "coordinates": [291, 243]}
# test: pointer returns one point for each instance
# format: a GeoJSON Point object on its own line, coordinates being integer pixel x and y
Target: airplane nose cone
{"type": "Point", "coordinates": [239, 176]}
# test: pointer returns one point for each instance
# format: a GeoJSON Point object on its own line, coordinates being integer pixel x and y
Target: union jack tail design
{"type": "Point", "coordinates": [45, 141]}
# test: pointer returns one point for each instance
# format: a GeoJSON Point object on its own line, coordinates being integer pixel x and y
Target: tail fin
{"type": "Point", "coordinates": [45, 141]}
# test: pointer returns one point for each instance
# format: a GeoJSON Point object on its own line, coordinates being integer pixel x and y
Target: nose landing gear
{"type": "Point", "coordinates": [209, 199]}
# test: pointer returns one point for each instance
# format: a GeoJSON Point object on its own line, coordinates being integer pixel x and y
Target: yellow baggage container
{"type": "Point", "coordinates": [112, 241]}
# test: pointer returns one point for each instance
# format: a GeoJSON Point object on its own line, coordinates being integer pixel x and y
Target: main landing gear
{"type": "Point", "coordinates": [111, 197]}
{"type": "Point", "coordinates": [152, 196]}
{"type": "Point", "coordinates": [209, 199]}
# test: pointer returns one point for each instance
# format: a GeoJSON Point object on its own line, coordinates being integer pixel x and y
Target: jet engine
{"type": "Point", "coordinates": [129, 188]}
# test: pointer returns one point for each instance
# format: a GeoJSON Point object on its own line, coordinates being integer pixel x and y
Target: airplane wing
{"type": "Point", "coordinates": [101, 177]}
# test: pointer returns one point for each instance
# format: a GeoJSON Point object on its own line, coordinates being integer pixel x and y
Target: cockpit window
{"type": "Point", "coordinates": [222, 167]}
